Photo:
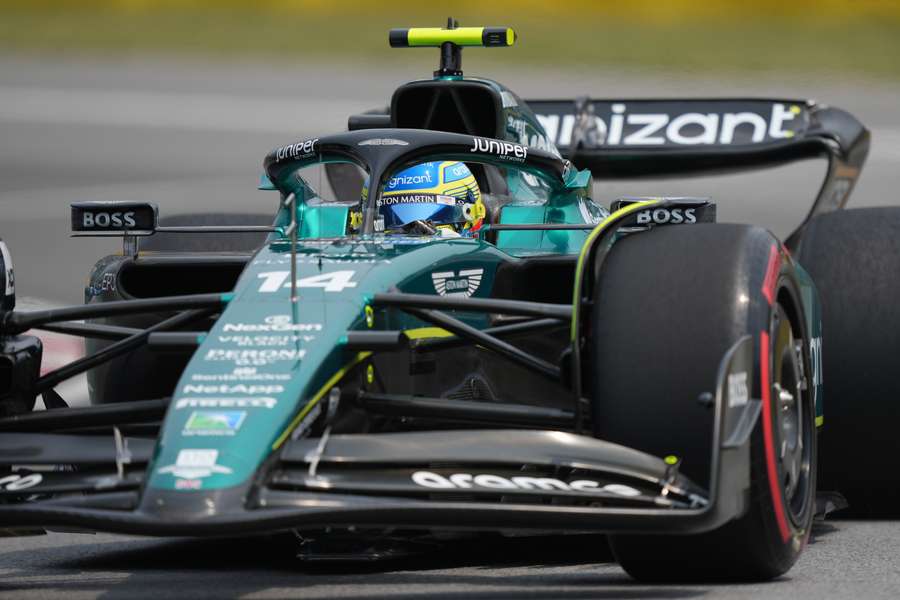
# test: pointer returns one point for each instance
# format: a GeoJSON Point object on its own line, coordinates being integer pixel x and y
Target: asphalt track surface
{"type": "Point", "coordinates": [191, 138]}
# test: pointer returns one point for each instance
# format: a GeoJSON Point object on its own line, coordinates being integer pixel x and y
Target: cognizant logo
{"type": "Point", "coordinates": [409, 180]}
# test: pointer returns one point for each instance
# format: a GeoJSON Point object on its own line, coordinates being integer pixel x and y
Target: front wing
{"type": "Point", "coordinates": [472, 479]}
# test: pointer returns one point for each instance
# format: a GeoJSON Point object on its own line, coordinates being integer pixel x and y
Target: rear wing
{"type": "Point", "coordinates": [646, 138]}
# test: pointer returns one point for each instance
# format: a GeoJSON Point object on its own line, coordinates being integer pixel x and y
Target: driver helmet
{"type": "Point", "coordinates": [441, 198]}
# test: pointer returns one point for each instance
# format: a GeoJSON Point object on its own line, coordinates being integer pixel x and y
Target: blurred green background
{"type": "Point", "coordinates": [859, 38]}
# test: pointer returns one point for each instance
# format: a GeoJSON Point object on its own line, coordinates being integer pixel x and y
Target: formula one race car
{"type": "Point", "coordinates": [454, 336]}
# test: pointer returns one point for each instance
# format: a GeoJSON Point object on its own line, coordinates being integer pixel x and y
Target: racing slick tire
{"type": "Point", "coordinates": [208, 242]}
{"type": "Point", "coordinates": [668, 305]}
{"type": "Point", "coordinates": [853, 257]}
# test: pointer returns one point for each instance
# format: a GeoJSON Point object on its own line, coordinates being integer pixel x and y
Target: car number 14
{"type": "Point", "coordinates": [335, 281]}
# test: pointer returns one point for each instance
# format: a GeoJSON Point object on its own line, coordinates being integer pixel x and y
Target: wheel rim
{"type": "Point", "coordinates": [793, 447]}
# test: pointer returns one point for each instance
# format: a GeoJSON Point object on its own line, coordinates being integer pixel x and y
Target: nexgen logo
{"type": "Point", "coordinates": [467, 481]}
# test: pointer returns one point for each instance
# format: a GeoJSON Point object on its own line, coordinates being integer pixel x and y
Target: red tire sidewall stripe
{"type": "Point", "coordinates": [769, 439]}
{"type": "Point", "coordinates": [768, 286]}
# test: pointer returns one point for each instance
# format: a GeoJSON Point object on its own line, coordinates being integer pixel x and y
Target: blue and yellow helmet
{"type": "Point", "coordinates": [444, 194]}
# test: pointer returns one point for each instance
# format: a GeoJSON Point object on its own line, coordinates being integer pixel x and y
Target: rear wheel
{"type": "Point", "coordinates": [854, 258]}
{"type": "Point", "coordinates": [670, 303]}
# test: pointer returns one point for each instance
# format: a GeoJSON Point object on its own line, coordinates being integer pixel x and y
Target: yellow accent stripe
{"type": "Point", "coordinates": [435, 36]}
{"type": "Point", "coordinates": [319, 395]}
{"type": "Point", "coordinates": [820, 421]}
{"type": "Point", "coordinates": [427, 332]}
{"type": "Point", "coordinates": [595, 233]}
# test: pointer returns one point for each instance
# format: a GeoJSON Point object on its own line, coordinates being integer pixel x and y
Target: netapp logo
{"type": "Point", "coordinates": [506, 150]}
{"type": "Point", "coordinates": [692, 128]}
{"type": "Point", "coordinates": [108, 219]}
{"type": "Point", "coordinates": [467, 481]}
{"type": "Point", "coordinates": [665, 216]}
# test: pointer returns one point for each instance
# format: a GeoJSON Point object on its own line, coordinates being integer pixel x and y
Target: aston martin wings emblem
{"type": "Point", "coordinates": [464, 283]}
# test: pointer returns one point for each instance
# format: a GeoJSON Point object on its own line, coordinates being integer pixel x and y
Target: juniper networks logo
{"type": "Point", "coordinates": [462, 283]}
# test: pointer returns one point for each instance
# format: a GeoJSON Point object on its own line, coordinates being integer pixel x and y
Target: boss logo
{"type": "Point", "coordinates": [664, 216]}
{"type": "Point", "coordinates": [113, 218]}
{"type": "Point", "coordinates": [108, 219]}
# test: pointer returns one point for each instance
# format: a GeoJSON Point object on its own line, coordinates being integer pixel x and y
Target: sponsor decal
{"type": "Point", "coordinates": [108, 219]}
{"type": "Point", "coordinates": [505, 150]}
{"type": "Point", "coordinates": [417, 199]}
{"type": "Point", "coordinates": [16, 482]}
{"type": "Point", "coordinates": [455, 172]}
{"type": "Point", "coordinates": [467, 481]}
{"type": "Point", "coordinates": [307, 422]}
{"type": "Point", "coordinates": [335, 281]}
{"type": "Point", "coordinates": [623, 128]}
{"type": "Point", "coordinates": [254, 402]}
{"type": "Point", "coordinates": [265, 340]}
{"type": "Point", "coordinates": [295, 151]}
{"type": "Point", "coordinates": [254, 356]}
{"type": "Point", "coordinates": [815, 359]}
{"type": "Point", "coordinates": [738, 394]}
{"type": "Point", "coordinates": [196, 463]}
{"type": "Point", "coordinates": [214, 422]}
{"type": "Point", "coordinates": [272, 323]}
{"type": "Point", "coordinates": [464, 283]}
{"type": "Point", "coordinates": [419, 179]}
{"type": "Point", "coordinates": [188, 484]}
{"type": "Point", "coordinates": [106, 283]}
{"type": "Point", "coordinates": [248, 390]}
{"type": "Point", "coordinates": [382, 142]}
{"type": "Point", "coordinates": [241, 374]}
{"type": "Point", "coordinates": [666, 216]}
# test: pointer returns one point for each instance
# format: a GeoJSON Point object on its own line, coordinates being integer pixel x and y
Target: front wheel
{"type": "Point", "coordinates": [669, 304]}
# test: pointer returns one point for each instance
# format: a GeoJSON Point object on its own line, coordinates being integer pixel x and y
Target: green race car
{"type": "Point", "coordinates": [440, 330]}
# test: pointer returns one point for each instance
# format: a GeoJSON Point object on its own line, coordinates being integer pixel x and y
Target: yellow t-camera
{"type": "Point", "coordinates": [435, 37]}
